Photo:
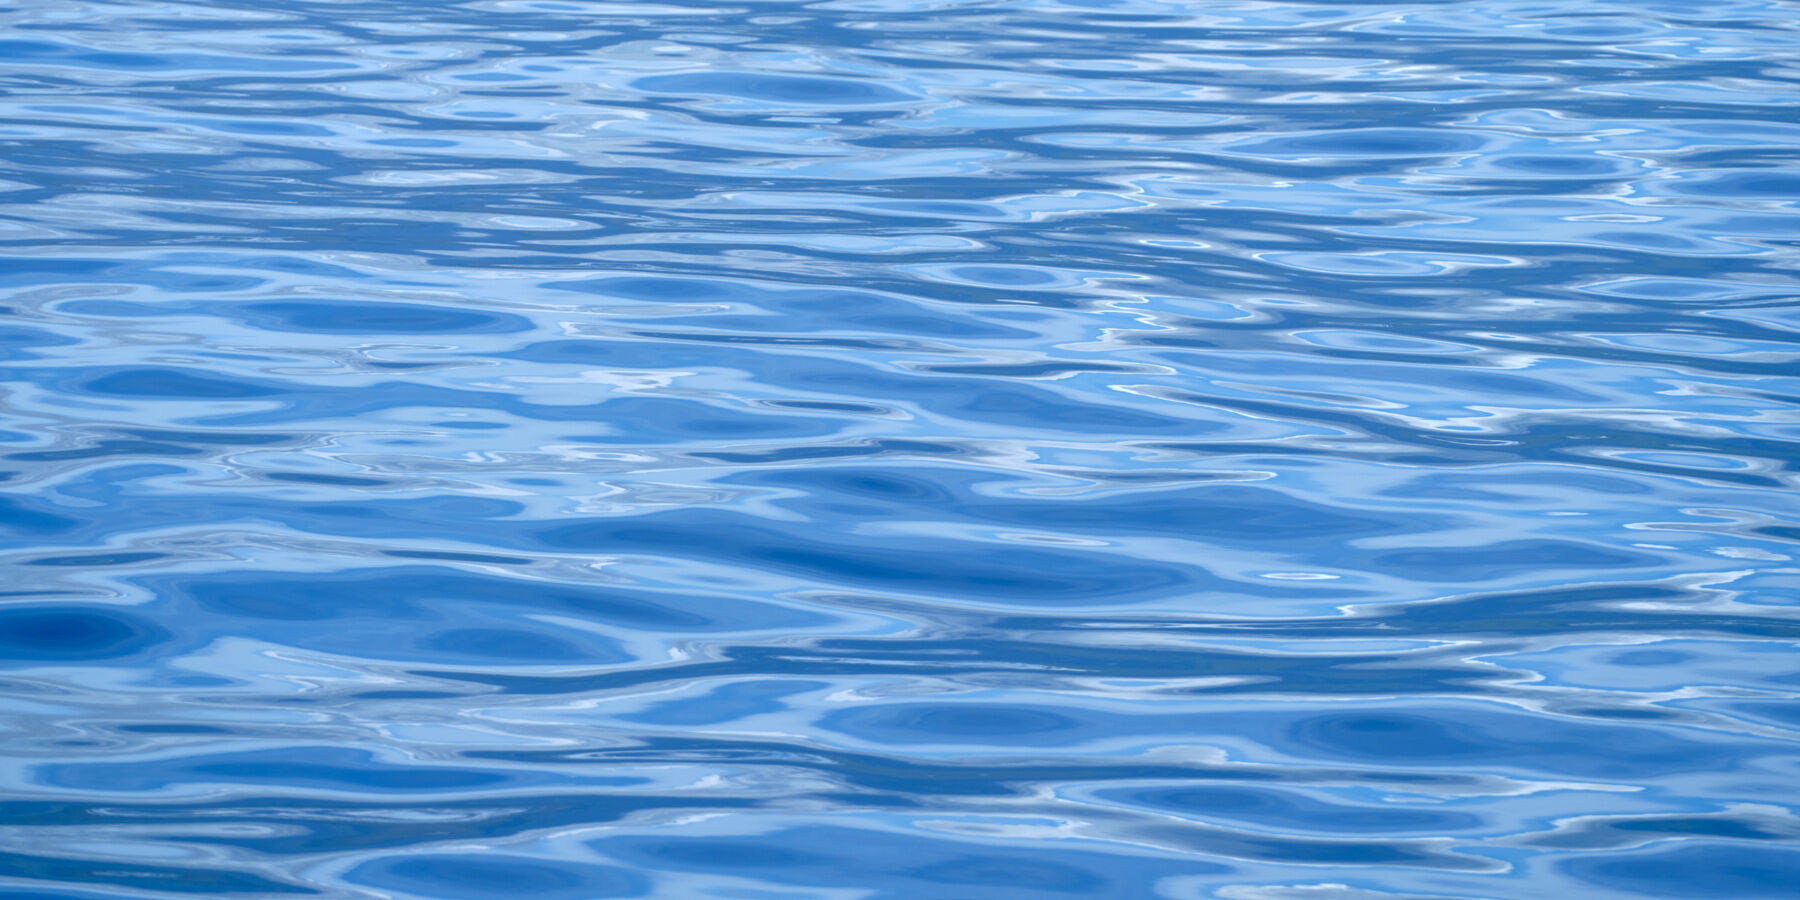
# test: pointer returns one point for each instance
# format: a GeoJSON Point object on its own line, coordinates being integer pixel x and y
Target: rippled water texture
{"type": "Point", "coordinates": [900, 449]}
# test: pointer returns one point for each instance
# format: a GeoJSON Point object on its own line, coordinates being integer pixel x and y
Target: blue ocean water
{"type": "Point", "coordinates": [900, 449]}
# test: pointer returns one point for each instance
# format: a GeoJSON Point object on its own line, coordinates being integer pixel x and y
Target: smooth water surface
{"type": "Point", "coordinates": [900, 449]}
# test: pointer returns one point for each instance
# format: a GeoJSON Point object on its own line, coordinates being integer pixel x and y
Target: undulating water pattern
{"type": "Point", "coordinates": [900, 449]}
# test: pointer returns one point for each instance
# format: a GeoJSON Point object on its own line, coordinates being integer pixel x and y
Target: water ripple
{"type": "Point", "coordinates": [1240, 449]}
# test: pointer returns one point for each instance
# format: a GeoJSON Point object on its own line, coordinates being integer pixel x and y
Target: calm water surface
{"type": "Point", "coordinates": [900, 449]}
